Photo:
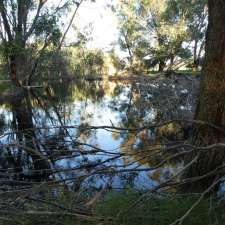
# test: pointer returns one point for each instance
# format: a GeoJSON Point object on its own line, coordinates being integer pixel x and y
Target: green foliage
{"type": "Point", "coordinates": [195, 15]}
{"type": "Point", "coordinates": [116, 62]}
{"type": "Point", "coordinates": [161, 32]}
{"type": "Point", "coordinates": [124, 208]}
{"type": "Point", "coordinates": [130, 30]}
{"type": "Point", "coordinates": [85, 62]}
{"type": "Point", "coordinates": [31, 30]}
{"type": "Point", "coordinates": [158, 210]}
{"type": "Point", "coordinates": [71, 62]}
{"type": "Point", "coordinates": [47, 26]}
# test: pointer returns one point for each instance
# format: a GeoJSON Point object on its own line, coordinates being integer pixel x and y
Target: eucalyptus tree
{"type": "Point", "coordinates": [162, 31]}
{"type": "Point", "coordinates": [29, 25]}
{"type": "Point", "coordinates": [167, 37]}
{"type": "Point", "coordinates": [197, 25]}
{"type": "Point", "coordinates": [207, 168]}
{"type": "Point", "coordinates": [146, 33]}
{"type": "Point", "coordinates": [195, 14]}
{"type": "Point", "coordinates": [130, 31]}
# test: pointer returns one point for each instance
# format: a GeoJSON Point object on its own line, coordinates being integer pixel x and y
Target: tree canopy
{"type": "Point", "coordinates": [163, 33]}
{"type": "Point", "coordinates": [31, 26]}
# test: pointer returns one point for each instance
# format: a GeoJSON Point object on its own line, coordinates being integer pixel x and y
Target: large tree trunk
{"type": "Point", "coordinates": [162, 65]}
{"type": "Point", "coordinates": [13, 71]}
{"type": "Point", "coordinates": [18, 63]}
{"type": "Point", "coordinates": [17, 68]}
{"type": "Point", "coordinates": [17, 60]}
{"type": "Point", "coordinates": [211, 104]}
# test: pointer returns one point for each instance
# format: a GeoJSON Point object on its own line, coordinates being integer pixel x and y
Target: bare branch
{"type": "Point", "coordinates": [70, 23]}
{"type": "Point", "coordinates": [5, 20]}
{"type": "Point", "coordinates": [30, 31]}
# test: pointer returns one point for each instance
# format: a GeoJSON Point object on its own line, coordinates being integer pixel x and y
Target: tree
{"type": "Point", "coordinates": [157, 29]}
{"type": "Point", "coordinates": [195, 15]}
{"type": "Point", "coordinates": [211, 106]}
{"type": "Point", "coordinates": [24, 22]}
{"type": "Point", "coordinates": [129, 30]}
{"type": "Point", "coordinates": [167, 34]}
{"type": "Point", "coordinates": [150, 34]}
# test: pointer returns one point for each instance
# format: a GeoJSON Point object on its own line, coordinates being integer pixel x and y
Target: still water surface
{"type": "Point", "coordinates": [63, 120]}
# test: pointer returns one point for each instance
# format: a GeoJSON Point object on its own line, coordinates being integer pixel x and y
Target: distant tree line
{"type": "Point", "coordinates": [162, 34]}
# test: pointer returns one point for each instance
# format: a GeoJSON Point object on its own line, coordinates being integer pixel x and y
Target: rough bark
{"type": "Point", "coordinates": [211, 104]}
{"type": "Point", "coordinates": [161, 65]}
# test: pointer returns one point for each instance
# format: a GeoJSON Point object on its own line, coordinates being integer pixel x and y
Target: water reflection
{"type": "Point", "coordinates": [52, 133]}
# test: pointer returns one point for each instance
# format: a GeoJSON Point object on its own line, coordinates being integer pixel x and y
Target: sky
{"type": "Point", "coordinates": [103, 21]}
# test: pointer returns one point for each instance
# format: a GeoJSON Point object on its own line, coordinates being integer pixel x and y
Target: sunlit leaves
{"type": "Point", "coordinates": [48, 27]}
{"type": "Point", "coordinates": [160, 29]}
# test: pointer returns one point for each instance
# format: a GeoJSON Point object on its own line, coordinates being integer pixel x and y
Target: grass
{"type": "Point", "coordinates": [182, 72]}
{"type": "Point", "coordinates": [118, 208]}
{"type": "Point", "coordinates": [158, 210]}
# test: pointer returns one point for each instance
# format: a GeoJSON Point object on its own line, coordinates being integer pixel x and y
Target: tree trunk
{"type": "Point", "coordinates": [18, 63]}
{"type": "Point", "coordinates": [211, 104]}
{"type": "Point", "coordinates": [13, 74]}
{"type": "Point", "coordinates": [195, 61]}
{"type": "Point", "coordinates": [161, 65]}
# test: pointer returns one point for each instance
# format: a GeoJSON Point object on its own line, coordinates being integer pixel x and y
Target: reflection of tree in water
{"type": "Point", "coordinates": [31, 147]}
{"type": "Point", "coordinates": [88, 90]}
{"type": "Point", "coordinates": [155, 102]}
{"type": "Point", "coordinates": [43, 139]}
{"type": "Point", "coordinates": [26, 139]}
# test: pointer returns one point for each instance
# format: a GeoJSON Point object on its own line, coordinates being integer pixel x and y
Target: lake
{"type": "Point", "coordinates": [92, 134]}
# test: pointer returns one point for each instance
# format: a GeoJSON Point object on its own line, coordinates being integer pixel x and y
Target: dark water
{"type": "Point", "coordinates": [63, 122]}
